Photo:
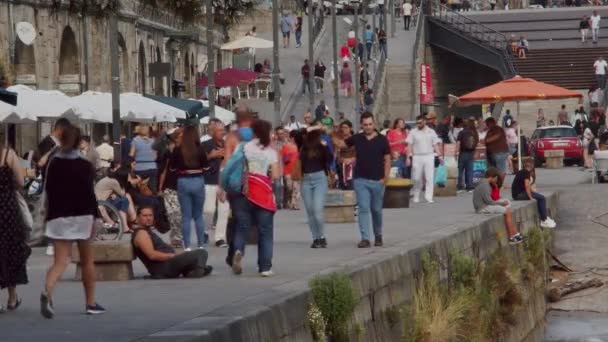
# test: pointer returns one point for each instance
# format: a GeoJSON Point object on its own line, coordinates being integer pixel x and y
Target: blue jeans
{"type": "Point", "coordinates": [120, 202]}
{"type": "Point", "coordinates": [383, 50]}
{"type": "Point", "coordinates": [465, 170]}
{"type": "Point", "coordinates": [541, 203]}
{"type": "Point", "coordinates": [247, 214]}
{"type": "Point", "coordinates": [369, 46]}
{"type": "Point", "coordinates": [191, 197]}
{"type": "Point", "coordinates": [299, 37]}
{"type": "Point", "coordinates": [370, 196]}
{"type": "Point", "coordinates": [277, 189]}
{"type": "Point", "coordinates": [500, 161]}
{"type": "Point", "coordinates": [314, 190]}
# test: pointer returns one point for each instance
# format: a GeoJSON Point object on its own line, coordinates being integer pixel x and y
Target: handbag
{"type": "Point", "coordinates": [28, 220]}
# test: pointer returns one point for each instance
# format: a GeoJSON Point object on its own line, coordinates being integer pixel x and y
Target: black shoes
{"type": "Point", "coordinates": [378, 241]}
{"type": "Point", "coordinates": [319, 243]}
{"type": "Point", "coordinates": [200, 272]}
{"type": "Point", "coordinates": [364, 244]}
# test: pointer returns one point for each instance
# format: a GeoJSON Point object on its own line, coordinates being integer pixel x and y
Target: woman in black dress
{"type": "Point", "coordinates": [14, 250]}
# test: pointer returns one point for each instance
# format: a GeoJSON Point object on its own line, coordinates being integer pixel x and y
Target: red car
{"type": "Point", "coordinates": [556, 138]}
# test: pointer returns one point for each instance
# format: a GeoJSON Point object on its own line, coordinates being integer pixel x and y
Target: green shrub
{"type": "Point", "coordinates": [333, 294]}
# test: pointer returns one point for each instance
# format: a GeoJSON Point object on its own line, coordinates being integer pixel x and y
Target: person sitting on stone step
{"type": "Point", "coordinates": [160, 259]}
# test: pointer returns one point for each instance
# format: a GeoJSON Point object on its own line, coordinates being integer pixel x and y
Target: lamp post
{"type": "Point", "coordinates": [356, 59]}
{"type": "Point", "coordinates": [210, 61]}
{"type": "Point", "coordinates": [336, 81]}
{"type": "Point", "coordinates": [392, 9]}
{"type": "Point", "coordinates": [311, 39]}
{"type": "Point", "coordinates": [115, 86]}
{"type": "Point", "coordinates": [275, 70]}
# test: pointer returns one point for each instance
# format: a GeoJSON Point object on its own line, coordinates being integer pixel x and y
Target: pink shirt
{"type": "Point", "coordinates": [395, 135]}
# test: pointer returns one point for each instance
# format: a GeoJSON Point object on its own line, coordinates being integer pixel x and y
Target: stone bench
{"type": "Point", "coordinates": [554, 159]}
{"type": "Point", "coordinates": [397, 193]}
{"type": "Point", "coordinates": [340, 206]}
{"type": "Point", "coordinates": [113, 260]}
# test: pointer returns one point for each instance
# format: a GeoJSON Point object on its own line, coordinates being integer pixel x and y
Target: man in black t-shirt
{"type": "Point", "coordinates": [522, 190]}
{"type": "Point", "coordinates": [48, 146]}
{"type": "Point", "coordinates": [371, 171]}
{"type": "Point", "coordinates": [214, 148]}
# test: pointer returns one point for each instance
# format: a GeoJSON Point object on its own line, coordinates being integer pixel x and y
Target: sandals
{"type": "Point", "coordinates": [13, 307]}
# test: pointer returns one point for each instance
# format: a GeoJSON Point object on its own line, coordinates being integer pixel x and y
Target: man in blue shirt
{"type": "Point", "coordinates": [369, 41]}
{"type": "Point", "coordinates": [286, 25]}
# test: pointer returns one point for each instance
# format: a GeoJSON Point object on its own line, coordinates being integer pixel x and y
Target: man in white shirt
{"type": "Point", "coordinates": [595, 27]}
{"type": "Point", "coordinates": [423, 144]}
{"type": "Point", "coordinates": [106, 153]}
{"type": "Point", "coordinates": [600, 66]}
{"type": "Point", "coordinates": [407, 15]}
{"type": "Point", "coordinates": [294, 124]}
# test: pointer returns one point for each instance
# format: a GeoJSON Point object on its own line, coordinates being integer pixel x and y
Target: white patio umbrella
{"type": "Point", "coordinates": [9, 114]}
{"type": "Point", "coordinates": [223, 114]}
{"type": "Point", "coordinates": [97, 107]}
{"type": "Point", "coordinates": [33, 104]}
{"type": "Point", "coordinates": [248, 42]}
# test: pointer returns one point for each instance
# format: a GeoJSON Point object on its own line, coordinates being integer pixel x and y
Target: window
{"type": "Point", "coordinates": [562, 132]}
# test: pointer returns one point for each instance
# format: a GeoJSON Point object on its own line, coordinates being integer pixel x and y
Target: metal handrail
{"type": "Point", "coordinates": [476, 30]}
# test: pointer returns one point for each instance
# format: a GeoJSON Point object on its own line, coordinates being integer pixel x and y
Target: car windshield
{"type": "Point", "coordinates": [562, 132]}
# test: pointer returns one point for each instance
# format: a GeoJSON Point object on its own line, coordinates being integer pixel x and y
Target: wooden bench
{"type": "Point", "coordinates": [340, 206]}
{"type": "Point", "coordinates": [113, 260]}
{"type": "Point", "coordinates": [554, 159]}
{"type": "Point", "coordinates": [397, 193]}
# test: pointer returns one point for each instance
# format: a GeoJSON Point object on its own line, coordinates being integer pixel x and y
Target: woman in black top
{"type": "Point", "coordinates": [315, 159]}
{"type": "Point", "coordinates": [188, 160]}
{"type": "Point", "coordinates": [71, 210]}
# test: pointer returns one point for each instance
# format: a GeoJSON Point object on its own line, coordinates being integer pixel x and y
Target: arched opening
{"type": "Point", "coordinates": [123, 63]}
{"type": "Point", "coordinates": [142, 68]}
{"type": "Point", "coordinates": [69, 63]}
{"type": "Point", "coordinates": [25, 61]}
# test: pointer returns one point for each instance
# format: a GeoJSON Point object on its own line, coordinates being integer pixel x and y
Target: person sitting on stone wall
{"type": "Point", "coordinates": [484, 204]}
{"type": "Point", "coordinates": [160, 259]}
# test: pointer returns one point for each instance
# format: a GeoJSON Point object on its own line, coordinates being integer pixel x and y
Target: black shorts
{"type": "Point", "coordinates": [286, 34]}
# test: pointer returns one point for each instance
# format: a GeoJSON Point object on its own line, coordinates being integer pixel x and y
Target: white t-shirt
{"type": "Point", "coordinates": [351, 34]}
{"type": "Point", "coordinates": [595, 21]}
{"type": "Point", "coordinates": [294, 125]}
{"type": "Point", "coordinates": [422, 142]}
{"type": "Point", "coordinates": [260, 159]}
{"type": "Point", "coordinates": [407, 8]}
{"type": "Point", "coordinates": [600, 67]}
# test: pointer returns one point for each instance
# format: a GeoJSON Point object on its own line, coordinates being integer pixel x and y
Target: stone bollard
{"type": "Point", "coordinates": [340, 206]}
{"type": "Point", "coordinates": [397, 193]}
{"type": "Point", "coordinates": [554, 159]}
{"type": "Point", "coordinates": [113, 260]}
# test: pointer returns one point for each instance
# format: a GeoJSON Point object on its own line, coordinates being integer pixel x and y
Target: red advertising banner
{"type": "Point", "coordinates": [426, 85]}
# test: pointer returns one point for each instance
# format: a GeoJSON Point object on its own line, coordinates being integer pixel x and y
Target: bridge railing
{"type": "Point", "coordinates": [474, 29]}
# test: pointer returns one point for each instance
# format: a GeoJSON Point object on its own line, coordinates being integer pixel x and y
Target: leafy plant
{"type": "Point", "coordinates": [335, 297]}
{"type": "Point", "coordinates": [317, 323]}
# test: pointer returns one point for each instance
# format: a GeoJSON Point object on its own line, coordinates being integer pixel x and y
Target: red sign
{"type": "Point", "coordinates": [426, 85]}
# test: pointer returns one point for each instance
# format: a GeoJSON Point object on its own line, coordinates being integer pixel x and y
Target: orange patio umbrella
{"type": "Point", "coordinates": [516, 89]}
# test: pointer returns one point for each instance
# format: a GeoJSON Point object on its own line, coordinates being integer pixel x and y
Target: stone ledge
{"type": "Point", "coordinates": [382, 279]}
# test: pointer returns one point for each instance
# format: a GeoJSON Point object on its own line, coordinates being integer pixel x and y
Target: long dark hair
{"type": "Point", "coordinates": [122, 176]}
{"type": "Point", "coordinates": [396, 122]}
{"type": "Point", "coordinates": [261, 130]}
{"type": "Point", "coordinates": [190, 147]}
{"type": "Point", "coordinates": [312, 144]}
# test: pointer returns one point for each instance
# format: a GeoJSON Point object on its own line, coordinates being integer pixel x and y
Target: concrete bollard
{"type": "Point", "coordinates": [397, 193]}
{"type": "Point", "coordinates": [340, 206]}
{"type": "Point", "coordinates": [554, 159]}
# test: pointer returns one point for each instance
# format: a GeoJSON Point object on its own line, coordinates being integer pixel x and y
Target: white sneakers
{"type": "Point", "coordinates": [548, 223]}
{"type": "Point", "coordinates": [50, 250]}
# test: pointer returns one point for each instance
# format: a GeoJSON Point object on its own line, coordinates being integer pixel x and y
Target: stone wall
{"type": "Point", "coordinates": [383, 280]}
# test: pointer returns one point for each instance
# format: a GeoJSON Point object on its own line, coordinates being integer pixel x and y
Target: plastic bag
{"type": "Point", "coordinates": [441, 176]}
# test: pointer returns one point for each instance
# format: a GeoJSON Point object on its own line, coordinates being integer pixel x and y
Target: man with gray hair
{"type": "Point", "coordinates": [106, 154]}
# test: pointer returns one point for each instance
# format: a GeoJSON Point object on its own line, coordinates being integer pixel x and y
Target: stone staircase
{"type": "Point", "coordinates": [399, 85]}
{"type": "Point", "coordinates": [569, 68]}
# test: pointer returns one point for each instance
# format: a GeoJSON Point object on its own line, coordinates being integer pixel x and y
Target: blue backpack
{"type": "Point", "coordinates": [232, 177]}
